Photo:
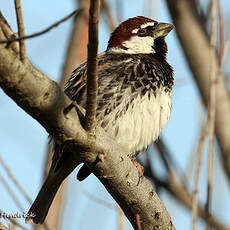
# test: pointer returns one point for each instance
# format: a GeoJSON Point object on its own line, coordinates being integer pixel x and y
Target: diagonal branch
{"type": "Point", "coordinates": [211, 107]}
{"type": "Point", "coordinates": [14, 180]}
{"type": "Point", "coordinates": [181, 194]}
{"type": "Point", "coordinates": [20, 38]}
{"type": "Point", "coordinates": [8, 34]}
{"type": "Point", "coordinates": [196, 48]}
{"type": "Point", "coordinates": [43, 99]}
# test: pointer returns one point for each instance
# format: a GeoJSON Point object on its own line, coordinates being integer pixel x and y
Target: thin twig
{"type": "Point", "coordinates": [119, 10]}
{"type": "Point", "coordinates": [181, 194]}
{"type": "Point", "coordinates": [212, 105]}
{"type": "Point", "coordinates": [92, 85]}
{"type": "Point", "coordinates": [12, 177]}
{"type": "Point", "coordinates": [98, 200]}
{"type": "Point", "coordinates": [8, 33]}
{"type": "Point", "coordinates": [43, 31]}
{"type": "Point", "coordinates": [3, 227]}
{"type": "Point", "coordinates": [109, 18]}
{"type": "Point", "coordinates": [199, 163]}
{"type": "Point", "coordinates": [13, 221]}
{"type": "Point", "coordinates": [150, 8]}
{"type": "Point", "coordinates": [169, 162]}
{"type": "Point", "coordinates": [18, 224]}
{"type": "Point", "coordinates": [221, 32]}
{"type": "Point", "coordinates": [11, 193]}
{"type": "Point", "coordinates": [226, 48]}
{"type": "Point", "coordinates": [21, 30]}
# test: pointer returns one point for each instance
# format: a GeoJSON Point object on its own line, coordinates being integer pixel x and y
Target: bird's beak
{"type": "Point", "coordinates": [162, 30]}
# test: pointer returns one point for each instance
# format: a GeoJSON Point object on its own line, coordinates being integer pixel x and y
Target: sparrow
{"type": "Point", "coordinates": [134, 98]}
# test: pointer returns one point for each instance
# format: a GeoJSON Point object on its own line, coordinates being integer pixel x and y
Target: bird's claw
{"type": "Point", "coordinates": [140, 170]}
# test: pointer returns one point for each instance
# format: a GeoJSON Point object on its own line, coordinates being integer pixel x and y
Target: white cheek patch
{"type": "Point", "coordinates": [134, 31]}
{"type": "Point", "coordinates": [138, 44]}
{"type": "Point", "coordinates": [147, 24]}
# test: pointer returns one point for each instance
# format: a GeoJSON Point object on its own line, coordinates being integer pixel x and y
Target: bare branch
{"type": "Point", "coordinates": [78, 11]}
{"type": "Point", "coordinates": [221, 32]}
{"type": "Point", "coordinates": [181, 194]}
{"type": "Point", "coordinates": [109, 18]}
{"type": "Point", "coordinates": [8, 34]}
{"type": "Point", "coordinates": [98, 200]}
{"type": "Point", "coordinates": [119, 10]}
{"type": "Point", "coordinates": [197, 50]}
{"type": "Point", "coordinates": [15, 181]}
{"type": "Point", "coordinates": [77, 45]}
{"type": "Point", "coordinates": [75, 54]}
{"type": "Point", "coordinates": [11, 193]}
{"type": "Point", "coordinates": [150, 7]}
{"type": "Point", "coordinates": [211, 106]}
{"type": "Point", "coordinates": [3, 227]}
{"type": "Point", "coordinates": [44, 101]}
{"type": "Point", "coordinates": [14, 222]}
{"type": "Point", "coordinates": [226, 48]}
{"type": "Point", "coordinates": [21, 30]}
{"type": "Point", "coordinates": [178, 190]}
{"type": "Point", "coordinates": [92, 85]}
{"type": "Point", "coordinates": [199, 163]}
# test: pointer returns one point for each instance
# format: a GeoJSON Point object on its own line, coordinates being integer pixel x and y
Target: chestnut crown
{"type": "Point", "coordinates": [139, 35]}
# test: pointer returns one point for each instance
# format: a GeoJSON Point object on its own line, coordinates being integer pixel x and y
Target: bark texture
{"type": "Point", "coordinates": [43, 99]}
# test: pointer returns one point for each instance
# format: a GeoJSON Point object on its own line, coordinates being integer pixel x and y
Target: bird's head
{"type": "Point", "coordinates": [140, 35]}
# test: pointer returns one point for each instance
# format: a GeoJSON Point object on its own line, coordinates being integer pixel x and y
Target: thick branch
{"type": "Point", "coordinates": [197, 49]}
{"type": "Point", "coordinates": [44, 101]}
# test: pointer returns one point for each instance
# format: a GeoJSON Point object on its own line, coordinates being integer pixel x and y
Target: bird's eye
{"type": "Point", "coordinates": [142, 31]}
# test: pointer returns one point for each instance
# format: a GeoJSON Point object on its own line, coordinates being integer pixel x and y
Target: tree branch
{"type": "Point", "coordinates": [14, 180]}
{"type": "Point", "coordinates": [20, 38]}
{"type": "Point", "coordinates": [77, 46]}
{"type": "Point", "coordinates": [211, 107]}
{"type": "Point", "coordinates": [43, 99]}
{"type": "Point", "coordinates": [75, 54]}
{"type": "Point", "coordinates": [21, 30]}
{"type": "Point", "coordinates": [181, 194]}
{"type": "Point", "coordinates": [197, 176]}
{"type": "Point", "coordinates": [92, 85]}
{"type": "Point", "coordinates": [3, 227]}
{"type": "Point", "coordinates": [8, 34]}
{"type": "Point", "coordinates": [196, 48]}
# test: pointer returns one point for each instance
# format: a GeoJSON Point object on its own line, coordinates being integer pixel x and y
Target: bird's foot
{"type": "Point", "coordinates": [140, 169]}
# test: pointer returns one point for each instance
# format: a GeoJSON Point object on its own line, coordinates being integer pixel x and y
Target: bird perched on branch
{"type": "Point", "coordinates": [134, 98]}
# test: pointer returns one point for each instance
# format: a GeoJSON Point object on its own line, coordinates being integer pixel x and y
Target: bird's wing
{"type": "Point", "coordinates": [121, 78]}
{"type": "Point", "coordinates": [112, 71]}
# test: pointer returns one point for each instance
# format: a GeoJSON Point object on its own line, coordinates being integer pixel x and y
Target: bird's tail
{"type": "Point", "coordinates": [42, 203]}
{"type": "Point", "coordinates": [63, 163]}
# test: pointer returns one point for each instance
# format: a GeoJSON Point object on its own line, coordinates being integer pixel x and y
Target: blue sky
{"type": "Point", "coordinates": [23, 141]}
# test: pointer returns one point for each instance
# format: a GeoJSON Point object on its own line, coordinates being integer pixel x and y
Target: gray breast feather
{"type": "Point", "coordinates": [134, 97]}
